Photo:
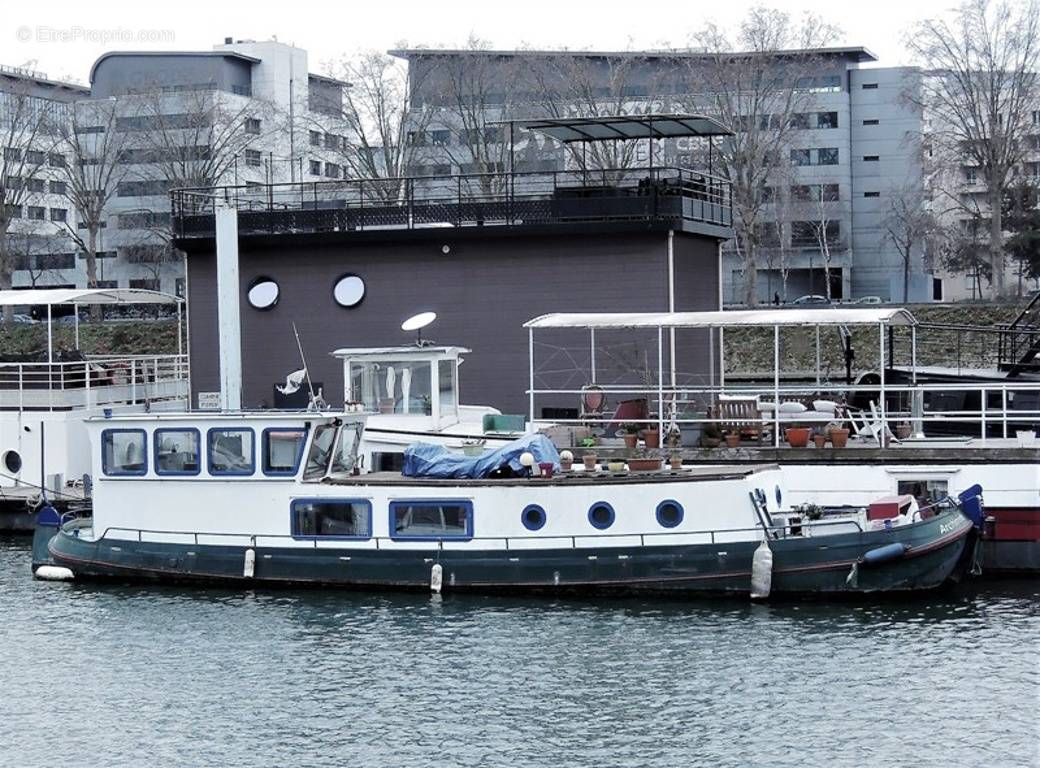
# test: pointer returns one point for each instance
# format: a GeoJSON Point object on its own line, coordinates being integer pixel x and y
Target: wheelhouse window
{"type": "Point", "coordinates": [282, 449]}
{"type": "Point", "coordinates": [231, 451]}
{"type": "Point", "coordinates": [124, 452]}
{"type": "Point", "coordinates": [342, 518]}
{"type": "Point", "coordinates": [393, 386]}
{"type": "Point", "coordinates": [431, 520]}
{"type": "Point", "coordinates": [320, 453]}
{"type": "Point", "coordinates": [177, 451]}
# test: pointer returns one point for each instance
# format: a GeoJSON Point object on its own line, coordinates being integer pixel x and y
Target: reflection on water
{"type": "Point", "coordinates": [172, 676]}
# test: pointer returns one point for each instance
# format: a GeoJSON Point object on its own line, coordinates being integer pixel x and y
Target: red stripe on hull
{"type": "Point", "coordinates": [1015, 523]}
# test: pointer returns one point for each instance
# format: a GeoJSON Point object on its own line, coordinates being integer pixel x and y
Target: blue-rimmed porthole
{"type": "Point", "coordinates": [533, 517]}
{"type": "Point", "coordinates": [669, 513]}
{"type": "Point", "coordinates": [601, 515]}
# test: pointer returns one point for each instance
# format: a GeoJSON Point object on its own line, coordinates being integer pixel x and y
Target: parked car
{"type": "Point", "coordinates": [26, 319]}
{"type": "Point", "coordinates": [811, 298]}
{"type": "Point", "coordinates": [868, 300]}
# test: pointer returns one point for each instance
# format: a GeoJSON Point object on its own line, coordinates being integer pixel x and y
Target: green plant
{"type": "Point", "coordinates": [630, 427]}
{"type": "Point", "coordinates": [809, 511]}
{"type": "Point", "coordinates": [588, 442]}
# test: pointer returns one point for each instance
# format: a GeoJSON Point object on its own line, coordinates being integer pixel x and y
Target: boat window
{"type": "Point", "coordinates": [601, 515]}
{"type": "Point", "coordinates": [533, 517]}
{"type": "Point", "coordinates": [431, 519]}
{"type": "Point", "coordinates": [393, 386]}
{"type": "Point", "coordinates": [926, 491]}
{"type": "Point", "coordinates": [123, 452]}
{"type": "Point", "coordinates": [345, 458]}
{"type": "Point", "coordinates": [669, 513]}
{"type": "Point", "coordinates": [344, 518]}
{"type": "Point", "coordinates": [446, 375]}
{"type": "Point", "coordinates": [281, 449]}
{"type": "Point", "coordinates": [231, 451]}
{"type": "Point", "coordinates": [321, 450]}
{"type": "Point", "coordinates": [177, 451]}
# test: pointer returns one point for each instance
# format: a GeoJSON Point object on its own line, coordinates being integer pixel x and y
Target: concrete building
{"type": "Point", "coordinates": [857, 143]}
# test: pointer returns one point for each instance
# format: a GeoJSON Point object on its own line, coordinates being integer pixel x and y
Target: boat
{"type": "Point", "coordinates": [44, 398]}
{"type": "Point", "coordinates": [267, 498]}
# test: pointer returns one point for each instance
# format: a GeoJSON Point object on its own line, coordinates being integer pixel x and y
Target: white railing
{"type": "Point", "coordinates": [96, 381]}
{"type": "Point", "coordinates": [915, 404]}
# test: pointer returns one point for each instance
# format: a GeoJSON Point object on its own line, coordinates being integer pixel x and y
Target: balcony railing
{"type": "Point", "coordinates": [557, 197]}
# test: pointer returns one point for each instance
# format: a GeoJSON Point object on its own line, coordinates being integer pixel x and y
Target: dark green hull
{"type": "Point", "coordinates": [937, 552]}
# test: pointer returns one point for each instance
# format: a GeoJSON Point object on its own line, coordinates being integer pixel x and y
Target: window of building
{"type": "Point", "coordinates": [12, 154]}
{"type": "Point", "coordinates": [13, 211]}
{"type": "Point", "coordinates": [315, 166]}
{"type": "Point", "coordinates": [871, 158]}
{"type": "Point", "coordinates": [801, 157]}
{"type": "Point", "coordinates": [144, 188]}
{"type": "Point", "coordinates": [88, 129]}
{"type": "Point", "coordinates": [440, 138]}
{"type": "Point", "coordinates": [806, 234]}
{"type": "Point", "coordinates": [340, 518]}
{"type": "Point", "coordinates": [281, 449]}
{"type": "Point", "coordinates": [332, 141]}
{"type": "Point", "coordinates": [826, 119]}
{"type": "Point", "coordinates": [56, 160]}
{"type": "Point", "coordinates": [827, 156]}
{"type": "Point", "coordinates": [178, 287]}
{"type": "Point", "coordinates": [144, 220]}
{"type": "Point", "coordinates": [230, 451]}
{"type": "Point", "coordinates": [872, 121]}
{"type": "Point", "coordinates": [971, 176]}
{"type": "Point", "coordinates": [124, 452]}
{"type": "Point", "coordinates": [58, 187]}
{"type": "Point", "coordinates": [1036, 117]}
{"type": "Point", "coordinates": [927, 491]}
{"type": "Point", "coordinates": [36, 185]}
{"type": "Point", "coordinates": [37, 213]}
{"type": "Point", "coordinates": [800, 121]}
{"type": "Point", "coordinates": [315, 138]}
{"type": "Point", "coordinates": [263, 293]}
{"type": "Point", "coordinates": [870, 86]}
{"type": "Point", "coordinates": [431, 519]}
{"type": "Point", "coordinates": [145, 284]}
{"type": "Point", "coordinates": [35, 157]}
{"type": "Point", "coordinates": [252, 125]}
{"type": "Point", "coordinates": [253, 158]}
{"type": "Point", "coordinates": [59, 214]}
{"type": "Point", "coordinates": [13, 182]}
{"type": "Point", "coordinates": [332, 171]}
{"type": "Point", "coordinates": [871, 194]}
{"type": "Point", "coordinates": [176, 451]}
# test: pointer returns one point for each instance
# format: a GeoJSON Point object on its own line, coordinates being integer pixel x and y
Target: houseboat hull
{"type": "Point", "coordinates": [936, 551]}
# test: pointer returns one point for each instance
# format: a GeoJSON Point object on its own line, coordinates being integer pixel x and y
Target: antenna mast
{"type": "Point", "coordinates": [306, 370]}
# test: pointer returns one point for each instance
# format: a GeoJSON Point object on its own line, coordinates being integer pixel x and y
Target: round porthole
{"type": "Point", "coordinates": [601, 515]}
{"type": "Point", "coordinates": [263, 293]}
{"type": "Point", "coordinates": [13, 462]}
{"type": "Point", "coordinates": [533, 517]}
{"type": "Point", "coordinates": [779, 496]}
{"type": "Point", "coordinates": [669, 513]}
{"type": "Point", "coordinates": [348, 291]}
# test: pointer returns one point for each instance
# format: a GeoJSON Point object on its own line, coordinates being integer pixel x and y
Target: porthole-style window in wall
{"type": "Point", "coordinates": [533, 517]}
{"type": "Point", "coordinates": [669, 513]}
{"type": "Point", "coordinates": [263, 293]}
{"type": "Point", "coordinates": [348, 291]}
{"type": "Point", "coordinates": [12, 462]}
{"type": "Point", "coordinates": [601, 515]}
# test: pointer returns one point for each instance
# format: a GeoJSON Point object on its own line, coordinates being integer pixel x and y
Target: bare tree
{"type": "Point", "coordinates": [829, 215]}
{"type": "Point", "coordinates": [909, 226]}
{"type": "Point", "coordinates": [28, 136]}
{"type": "Point", "coordinates": [757, 92]}
{"type": "Point", "coordinates": [92, 143]}
{"type": "Point", "coordinates": [384, 130]}
{"type": "Point", "coordinates": [978, 91]}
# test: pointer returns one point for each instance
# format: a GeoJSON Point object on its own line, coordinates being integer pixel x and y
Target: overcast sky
{"type": "Point", "coordinates": [63, 37]}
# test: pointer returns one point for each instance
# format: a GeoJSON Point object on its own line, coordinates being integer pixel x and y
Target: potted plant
{"type": "Point", "coordinates": [903, 430]}
{"type": "Point", "coordinates": [711, 436]}
{"type": "Point", "coordinates": [675, 462]}
{"type": "Point", "coordinates": [809, 511]}
{"type": "Point", "coordinates": [631, 434]}
{"type": "Point", "coordinates": [645, 461]}
{"type": "Point", "coordinates": [733, 438]}
{"type": "Point", "coordinates": [797, 437]}
{"type": "Point", "coordinates": [589, 460]}
{"type": "Point", "coordinates": [838, 434]}
{"type": "Point", "coordinates": [819, 439]}
{"type": "Point", "coordinates": [566, 460]}
{"type": "Point", "coordinates": [652, 436]}
{"type": "Point", "coordinates": [615, 465]}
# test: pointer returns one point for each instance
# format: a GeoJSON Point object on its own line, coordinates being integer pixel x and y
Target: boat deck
{"type": "Point", "coordinates": [577, 476]}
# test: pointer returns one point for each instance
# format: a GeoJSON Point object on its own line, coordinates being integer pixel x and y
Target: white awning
{"type": "Point", "coordinates": [52, 296]}
{"type": "Point", "coordinates": [409, 351]}
{"type": "Point", "coordinates": [747, 317]}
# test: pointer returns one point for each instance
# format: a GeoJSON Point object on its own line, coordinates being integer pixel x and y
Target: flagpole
{"type": "Point", "coordinates": [306, 370]}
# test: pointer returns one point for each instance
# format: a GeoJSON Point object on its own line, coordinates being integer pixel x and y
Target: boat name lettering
{"type": "Point", "coordinates": [945, 528]}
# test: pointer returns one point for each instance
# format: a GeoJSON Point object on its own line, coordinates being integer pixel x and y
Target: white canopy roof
{"type": "Point", "coordinates": [744, 317]}
{"type": "Point", "coordinates": [409, 351]}
{"type": "Point", "coordinates": [85, 296]}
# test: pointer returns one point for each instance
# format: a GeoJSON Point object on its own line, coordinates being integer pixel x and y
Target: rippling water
{"type": "Point", "coordinates": [118, 675]}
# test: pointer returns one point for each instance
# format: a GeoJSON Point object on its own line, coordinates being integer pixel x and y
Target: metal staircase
{"type": "Point", "coordinates": [1019, 342]}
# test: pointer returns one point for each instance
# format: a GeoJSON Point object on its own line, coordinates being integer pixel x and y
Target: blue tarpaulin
{"type": "Point", "coordinates": [428, 460]}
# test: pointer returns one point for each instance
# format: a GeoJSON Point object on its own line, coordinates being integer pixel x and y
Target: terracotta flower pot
{"type": "Point", "coordinates": [644, 465]}
{"type": "Point", "coordinates": [589, 459]}
{"type": "Point", "coordinates": [798, 437]}
{"type": "Point", "coordinates": [565, 465]}
{"type": "Point", "coordinates": [652, 438]}
{"type": "Point", "coordinates": [819, 440]}
{"type": "Point", "coordinates": [903, 431]}
{"type": "Point", "coordinates": [675, 462]}
{"type": "Point", "coordinates": [733, 439]}
{"type": "Point", "coordinates": [839, 437]}
{"type": "Point", "coordinates": [631, 438]}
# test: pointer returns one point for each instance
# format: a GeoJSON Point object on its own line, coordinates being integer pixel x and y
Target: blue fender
{"type": "Point", "coordinates": [971, 505]}
{"type": "Point", "coordinates": [884, 554]}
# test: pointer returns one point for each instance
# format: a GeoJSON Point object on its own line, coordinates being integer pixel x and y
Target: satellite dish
{"type": "Point", "coordinates": [417, 323]}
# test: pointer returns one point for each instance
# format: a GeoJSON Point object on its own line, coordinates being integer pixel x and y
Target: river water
{"type": "Point", "coordinates": [102, 675]}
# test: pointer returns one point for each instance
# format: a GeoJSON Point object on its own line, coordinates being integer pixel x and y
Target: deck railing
{"type": "Point", "coordinates": [95, 381]}
{"type": "Point", "coordinates": [484, 199]}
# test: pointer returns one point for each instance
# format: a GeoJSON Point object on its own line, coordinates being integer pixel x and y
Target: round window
{"type": "Point", "coordinates": [669, 513]}
{"type": "Point", "coordinates": [263, 293]}
{"type": "Point", "coordinates": [601, 515]}
{"type": "Point", "coordinates": [13, 462]}
{"type": "Point", "coordinates": [348, 291]}
{"type": "Point", "coordinates": [533, 517]}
